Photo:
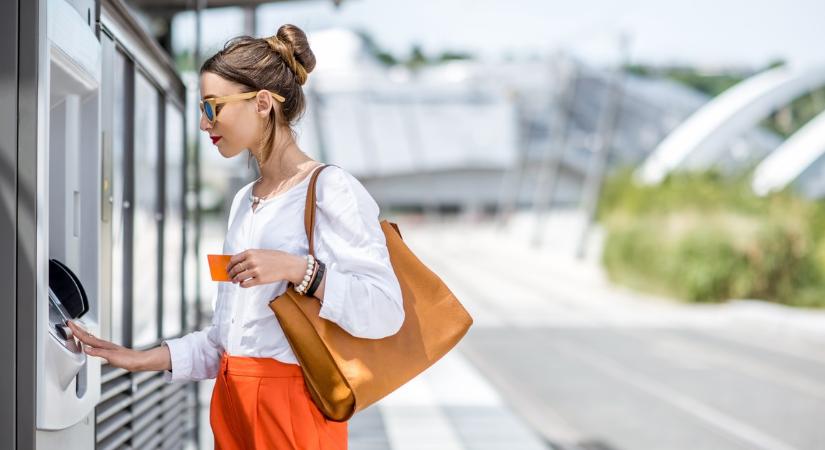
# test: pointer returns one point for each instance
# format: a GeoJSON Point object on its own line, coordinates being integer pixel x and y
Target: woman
{"type": "Point", "coordinates": [252, 97]}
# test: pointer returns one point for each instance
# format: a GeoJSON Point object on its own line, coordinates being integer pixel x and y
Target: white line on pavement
{"type": "Point", "coordinates": [713, 417]}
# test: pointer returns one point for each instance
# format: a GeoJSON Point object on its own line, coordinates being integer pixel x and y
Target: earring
{"type": "Point", "coordinates": [260, 156]}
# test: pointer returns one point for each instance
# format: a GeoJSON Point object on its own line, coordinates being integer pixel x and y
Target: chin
{"type": "Point", "coordinates": [226, 154]}
{"type": "Point", "coordinates": [229, 153]}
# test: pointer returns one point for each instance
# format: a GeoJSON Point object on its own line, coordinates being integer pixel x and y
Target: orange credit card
{"type": "Point", "coordinates": [217, 267]}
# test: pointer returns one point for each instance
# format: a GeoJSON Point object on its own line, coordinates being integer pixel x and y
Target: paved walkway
{"type": "Point", "coordinates": [510, 286]}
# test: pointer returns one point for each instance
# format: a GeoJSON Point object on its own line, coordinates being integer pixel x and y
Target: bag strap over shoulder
{"type": "Point", "coordinates": [309, 208]}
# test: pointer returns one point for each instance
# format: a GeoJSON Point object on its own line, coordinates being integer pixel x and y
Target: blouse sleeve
{"type": "Point", "coordinates": [361, 292]}
{"type": "Point", "coordinates": [197, 355]}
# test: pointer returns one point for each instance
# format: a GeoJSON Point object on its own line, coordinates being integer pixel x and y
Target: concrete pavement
{"type": "Point", "coordinates": [560, 358]}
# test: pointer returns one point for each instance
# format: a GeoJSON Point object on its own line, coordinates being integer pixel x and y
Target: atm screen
{"type": "Point", "coordinates": [68, 289]}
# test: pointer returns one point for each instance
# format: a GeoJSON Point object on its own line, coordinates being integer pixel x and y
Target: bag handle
{"type": "Point", "coordinates": [309, 208]}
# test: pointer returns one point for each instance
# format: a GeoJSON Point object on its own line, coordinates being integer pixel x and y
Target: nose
{"type": "Point", "coordinates": [204, 124]}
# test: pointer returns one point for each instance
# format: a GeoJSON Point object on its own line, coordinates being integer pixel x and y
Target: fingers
{"type": "Point", "coordinates": [235, 259]}
{"type": "Point", "coordinates": [112, 353]}
{"type": "Point", "coordinates": [248, 273]}
{"type": "Point", "coordinates": [249, 282]}
{"type": "Point", "coordinates": [119, 357]}
{"type": "Point", "coordinates": [88, 339]}
{"type": "Point", "coordinates": [238, 257]}
{"type": "Point", "coordinates": [238, 269]}
{"type": "Point", "coordinates": [98, 352]}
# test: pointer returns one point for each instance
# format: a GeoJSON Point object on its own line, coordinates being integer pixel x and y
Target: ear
{"type": "Point", "coordinates": [263, 103]}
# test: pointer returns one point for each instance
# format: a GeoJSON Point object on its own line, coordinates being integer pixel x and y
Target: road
{"type": "Point", "coordinates": [588, 365]}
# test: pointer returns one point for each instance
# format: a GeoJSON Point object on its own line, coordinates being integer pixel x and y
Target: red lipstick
{"type": "Point", "coordinates": [215, 139]}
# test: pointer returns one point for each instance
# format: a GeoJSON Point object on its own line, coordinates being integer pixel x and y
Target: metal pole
{"type": "Point", "coordinates": [249, 25]}
{"type": "Point", "coordinates": [200, 5]}
{"type": "Point", "coordinates": [24, 127]}
{"type": "Point", "coordinates": [598, 165]}
{"type": "Point", "coordinates": [547, 177]}
{"type": "Point", "coordinates": [317, 103]}
{"type": "Point", "coordinates": [513, 177]}
{"type": "Point", "coordinates": [364, 128]}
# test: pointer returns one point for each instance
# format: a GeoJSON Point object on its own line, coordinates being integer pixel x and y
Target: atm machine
{"type": "Point", "coordinates": [68, 226]}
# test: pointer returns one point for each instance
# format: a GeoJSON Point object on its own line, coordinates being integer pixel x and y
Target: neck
{"type": "Point", "coordinates": [285, 161]}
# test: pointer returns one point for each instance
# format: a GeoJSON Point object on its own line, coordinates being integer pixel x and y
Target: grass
{"type": "Point", "coordinates": [704, 238]}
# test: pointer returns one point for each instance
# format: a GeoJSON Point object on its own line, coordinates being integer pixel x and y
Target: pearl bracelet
{"type": "Point", "coordinates": [301, 288]}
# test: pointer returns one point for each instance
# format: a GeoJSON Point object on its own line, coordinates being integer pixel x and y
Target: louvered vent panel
{"type": "Point", "coordinates": [141, 411]}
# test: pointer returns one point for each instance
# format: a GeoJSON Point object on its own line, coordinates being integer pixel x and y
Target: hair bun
{"type": "Point", "coordinates": [291, 43]}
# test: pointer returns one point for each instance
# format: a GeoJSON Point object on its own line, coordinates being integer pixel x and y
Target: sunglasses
{"type": "Point", "coordinates": [209, 106]}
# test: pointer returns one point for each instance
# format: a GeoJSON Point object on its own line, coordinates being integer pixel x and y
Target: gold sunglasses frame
{"type": "Point", "coordinates": [215, 101]}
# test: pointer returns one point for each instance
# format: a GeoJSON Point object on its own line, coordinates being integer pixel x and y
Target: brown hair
{"type": "Point", "coordinates": [279, 63]}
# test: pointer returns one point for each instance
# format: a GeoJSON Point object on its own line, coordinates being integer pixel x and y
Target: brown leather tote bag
{"type": "Point", "coordinates": [345, 374]}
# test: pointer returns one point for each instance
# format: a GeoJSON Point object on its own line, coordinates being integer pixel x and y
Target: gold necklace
{"type": "Point", "coordinates": [255, 199]}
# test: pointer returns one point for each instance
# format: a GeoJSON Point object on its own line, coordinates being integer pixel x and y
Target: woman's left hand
{"type": "Point", "coordinates": [256, 266]}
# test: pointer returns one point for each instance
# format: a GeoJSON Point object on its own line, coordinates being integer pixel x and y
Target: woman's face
{"type": "Point", "coordinates": [239, 123]}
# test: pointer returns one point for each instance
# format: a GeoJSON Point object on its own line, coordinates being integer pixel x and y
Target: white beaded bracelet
{"type": "Point", "coordinates": [301, 288]}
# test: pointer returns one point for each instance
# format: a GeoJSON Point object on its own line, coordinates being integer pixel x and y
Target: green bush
{"type": "Point", "coordinates": [704, 238]}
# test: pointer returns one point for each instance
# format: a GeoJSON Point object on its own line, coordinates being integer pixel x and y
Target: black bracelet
{"type": "Point", "coordinates": [318, 277]}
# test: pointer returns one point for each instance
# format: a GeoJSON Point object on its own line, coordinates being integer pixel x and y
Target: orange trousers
{"type": "Point", "coordinates": [261, 403]}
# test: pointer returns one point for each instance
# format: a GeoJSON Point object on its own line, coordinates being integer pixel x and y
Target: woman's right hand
{"type": "Point", "coordinates": [132, 360]}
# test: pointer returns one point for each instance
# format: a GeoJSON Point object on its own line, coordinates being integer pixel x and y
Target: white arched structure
{"type": "Point", "coordinates": [727, 116]}
{"type": "Point", "coordinates": [788, 161]}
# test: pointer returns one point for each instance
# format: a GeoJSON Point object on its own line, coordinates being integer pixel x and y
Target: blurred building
{"type": "Point", "coordinates": [447, 136]}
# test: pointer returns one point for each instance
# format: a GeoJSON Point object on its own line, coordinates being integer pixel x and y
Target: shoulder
{"type": "Point", "coordinates": [338, 191]}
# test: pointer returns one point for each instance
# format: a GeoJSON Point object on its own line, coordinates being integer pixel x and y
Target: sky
{"type": "Point", "coordinates": [709, 33]}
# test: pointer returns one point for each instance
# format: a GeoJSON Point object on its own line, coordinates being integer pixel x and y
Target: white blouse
{"type": "Point", "coordinates": [361, 293]}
